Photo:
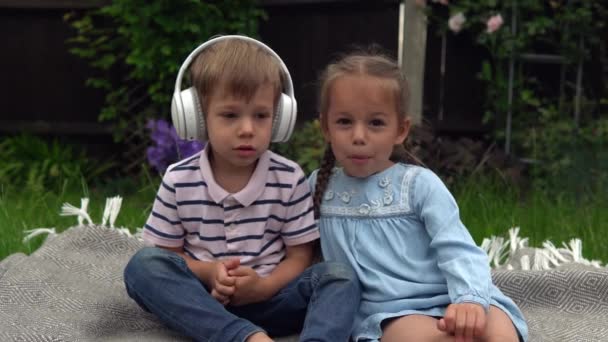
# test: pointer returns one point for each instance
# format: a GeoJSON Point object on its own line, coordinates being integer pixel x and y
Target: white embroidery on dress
{"type": "Point", "coordinates": [376, 207]}
{"type": "Point", "coordinates": [384, 182]}
{"type": "Point", "coordinates": [345, 196]}
{"type": "Point", "coordinates": [409, 175]}
{"type": "Point", "coordinates": [361, 211]}
{"type": "Point", "coordinates": [376, 204]}
{"type": "Point", "coordinates": [364, 209]}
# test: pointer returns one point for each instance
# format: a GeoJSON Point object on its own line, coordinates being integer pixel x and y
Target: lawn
{"type": "Point", "coordinates": [487, 208]}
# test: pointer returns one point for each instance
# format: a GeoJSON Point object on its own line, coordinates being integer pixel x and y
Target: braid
{"type": "Point", "coordinates": [327, 164]}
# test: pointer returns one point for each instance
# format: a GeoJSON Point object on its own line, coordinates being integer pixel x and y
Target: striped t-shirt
{"type": "Point", "coordinates": [273, 210]}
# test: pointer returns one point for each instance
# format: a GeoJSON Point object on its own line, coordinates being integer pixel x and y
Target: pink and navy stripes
{"type": "Point", "coordinates": [254, 225]}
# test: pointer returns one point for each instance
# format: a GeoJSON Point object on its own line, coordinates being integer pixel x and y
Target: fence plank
{"type": "Point", "coordinates": [412, 55]}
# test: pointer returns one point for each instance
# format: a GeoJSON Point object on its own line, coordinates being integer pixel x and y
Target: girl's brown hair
{"type": "Point", "coordinates": [369, 63]}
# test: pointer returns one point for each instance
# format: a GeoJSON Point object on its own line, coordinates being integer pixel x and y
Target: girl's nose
{"type": "Point", "coordinates": [359, 134]}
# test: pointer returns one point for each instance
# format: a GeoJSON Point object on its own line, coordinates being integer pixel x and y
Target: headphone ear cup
{"type": "Point", "coordinates": [177, 115]}
{"type": "Point", "coordinates": [193, 119]}
{"type": "Point", "coordinates": [284, 119]}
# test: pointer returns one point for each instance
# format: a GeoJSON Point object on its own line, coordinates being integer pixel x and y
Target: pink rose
{"type": "Point", "coordinates": [494, 23]}
{"type": "Point", "coordinates": [456, 21]}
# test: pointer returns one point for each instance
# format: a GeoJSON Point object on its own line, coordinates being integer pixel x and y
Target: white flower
{"type": "Point", "coordinates": [456, 21]}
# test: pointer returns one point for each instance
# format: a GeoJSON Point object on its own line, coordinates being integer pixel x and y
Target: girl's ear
{"type": "Point", "coordinates": [324, 128]}
{"type": "Point", "coordinates": [404, 131]}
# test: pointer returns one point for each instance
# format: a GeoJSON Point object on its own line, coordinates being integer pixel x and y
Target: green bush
{"type": "Point", "coordinates": [138, 46]}
{"type": "Point", "coordinates": [306, 146]}
{"type": "Point", "coordinates": [32, 162]}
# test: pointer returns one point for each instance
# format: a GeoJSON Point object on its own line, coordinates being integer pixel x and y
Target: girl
{"type": "Point", "coordinates": [422, 276]}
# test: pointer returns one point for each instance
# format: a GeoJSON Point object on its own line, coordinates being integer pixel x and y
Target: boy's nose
{"type": "Point", "coordinates": [246, 127]}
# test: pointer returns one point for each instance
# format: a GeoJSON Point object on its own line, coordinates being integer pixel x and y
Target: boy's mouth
{"type": "Point", "coordinates": [245, 150]}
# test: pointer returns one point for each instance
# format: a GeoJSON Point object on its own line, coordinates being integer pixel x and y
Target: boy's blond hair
{"type": "Point", "coordinates": [238, 66]}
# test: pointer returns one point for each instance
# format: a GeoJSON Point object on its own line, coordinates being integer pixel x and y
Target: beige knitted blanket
{"type": "Point", "coordinates": [71, 289]}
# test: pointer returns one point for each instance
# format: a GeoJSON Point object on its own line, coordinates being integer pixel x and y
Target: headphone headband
{"type": "Point", "coordinates": [180, 75]}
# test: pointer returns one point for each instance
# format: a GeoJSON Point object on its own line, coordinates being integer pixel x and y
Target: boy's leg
{"type": "Point", "coordinates": [161, 283]}
{"type": "Point", "coordinates": [321, 303]}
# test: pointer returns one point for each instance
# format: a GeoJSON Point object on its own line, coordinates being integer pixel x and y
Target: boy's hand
{"type": "Point", "coordinates": [249, 287]}
{"type": "Point", "coordinates": [222, 285]}
{"type": "Point", "coordinates": [466, 321]}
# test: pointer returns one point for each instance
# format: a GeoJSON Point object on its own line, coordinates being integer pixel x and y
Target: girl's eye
{"type": "Point", "coordinates": [377, 123]}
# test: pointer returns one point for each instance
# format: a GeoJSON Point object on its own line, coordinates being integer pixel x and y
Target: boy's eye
{"type": "Point", "coordinates": [262, 115]}
{"type": "Point", "coordinates": [228, 115]}
{"type": "Point", "coordinates": [377, 123]}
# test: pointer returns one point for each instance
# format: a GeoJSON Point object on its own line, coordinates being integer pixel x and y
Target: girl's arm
{"type": "Point", "coordinates": [464, 265]}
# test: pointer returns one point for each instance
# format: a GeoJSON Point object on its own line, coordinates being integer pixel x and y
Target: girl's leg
{"type": "Point", "coordinates": [413, 328]}
{"type": "Point", "coordinates": [161, 283]}
{"type": "Point", "coordinates": [499, 328]}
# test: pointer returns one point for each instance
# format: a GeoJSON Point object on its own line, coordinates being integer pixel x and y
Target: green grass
{"type": "Point", "coordinates": [487, 208]}
{"type": "Point", "coordinates": [23, 209]}
{"type": "Point", "coordinates": [490, 208]}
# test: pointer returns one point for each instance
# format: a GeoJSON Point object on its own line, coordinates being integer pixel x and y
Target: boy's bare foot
{"type": "Point", "coordinates": [259, 337]}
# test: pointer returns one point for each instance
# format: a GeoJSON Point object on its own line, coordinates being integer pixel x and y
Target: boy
{"type": "Point", "coordinates": [233, 225]}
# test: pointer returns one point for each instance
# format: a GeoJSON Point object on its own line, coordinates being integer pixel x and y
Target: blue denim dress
{"type": "Point", "coordinates": [400, 230]}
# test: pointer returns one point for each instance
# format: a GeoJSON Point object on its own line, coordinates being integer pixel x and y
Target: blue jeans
{"type": "Point", "coordinates": [320, 303]}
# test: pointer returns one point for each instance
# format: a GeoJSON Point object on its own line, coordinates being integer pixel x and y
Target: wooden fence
{"type": "Point", "coordinates": [43, 87]}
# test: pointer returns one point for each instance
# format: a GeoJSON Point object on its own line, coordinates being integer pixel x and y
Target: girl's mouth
{"type": "Point", "coordinates": [359, 159]}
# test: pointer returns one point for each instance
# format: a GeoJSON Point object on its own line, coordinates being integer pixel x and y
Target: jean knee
{"type": "Point", "coordinates": [145, 262]}
{"type": "Point", "coordinates": [337, 270]}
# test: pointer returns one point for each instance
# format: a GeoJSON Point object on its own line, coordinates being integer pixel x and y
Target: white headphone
{"type": "Point", "coordinates": [187, 114]}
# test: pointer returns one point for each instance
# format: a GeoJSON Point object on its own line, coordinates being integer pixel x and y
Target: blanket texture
{"type": "Point", "coordinates": [71, 289]}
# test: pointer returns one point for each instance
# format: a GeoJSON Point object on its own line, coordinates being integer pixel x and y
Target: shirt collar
{"type": "Point", "coordinates": [247, 195]}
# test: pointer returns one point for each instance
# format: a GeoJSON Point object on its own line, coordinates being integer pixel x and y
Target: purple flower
{"type": "Point", "coordinates": [167, 147]}
{"type": "Point", "coordinates": [189, 147]}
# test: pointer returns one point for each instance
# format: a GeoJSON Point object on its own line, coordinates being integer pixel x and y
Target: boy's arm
{"type": "Point", "coordinates": [251, 288]}
{"type": "Point", "coordinates": [202, 269]}
{"type": "Point", "coordinates": [214, 274]}
{"type": "Point", "coordinates": [297, 259]}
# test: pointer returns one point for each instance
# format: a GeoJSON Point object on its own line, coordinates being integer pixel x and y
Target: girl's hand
{"type": "Point", "coordinates": [465, 321]}
{"type": "Point", "coordinates": [249, 287]}
{"type": "Point", "coordinates": [223, 285]}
